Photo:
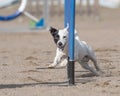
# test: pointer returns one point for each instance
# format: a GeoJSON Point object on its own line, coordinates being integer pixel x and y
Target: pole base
{"type": "Point", "coordinates": [70, 72]}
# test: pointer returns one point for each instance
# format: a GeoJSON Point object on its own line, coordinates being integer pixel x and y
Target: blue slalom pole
{"type": "Point", "coordinates": [70, 19]}
{"type": "Point", "coordinates": [66, 7]}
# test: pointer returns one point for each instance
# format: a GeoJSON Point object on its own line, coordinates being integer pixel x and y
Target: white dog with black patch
{"type": "Point", "coordinates": [83, 53]}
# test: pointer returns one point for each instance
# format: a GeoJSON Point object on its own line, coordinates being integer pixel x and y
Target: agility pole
{"type": "Point", "coordinates": [70, 19]}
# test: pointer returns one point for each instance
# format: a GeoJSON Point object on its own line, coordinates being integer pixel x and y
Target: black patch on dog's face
{"type": "Point", "coordinates": [54, 33]}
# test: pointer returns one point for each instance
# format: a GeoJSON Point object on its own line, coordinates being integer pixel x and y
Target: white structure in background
{"type": "Point", "coordinates": [5, 3]}
{"type": "Point", "coordinates": [110, 3]}
{"type": "Point", "coordinates": [104, 3]}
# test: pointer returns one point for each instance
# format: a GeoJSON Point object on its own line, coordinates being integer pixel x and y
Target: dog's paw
{"type": "Point", "coordinates": [51, 66]}
{"type": "Point", "coordinates": [61, 66]}
{"type": "Point", "coordinates": [63, 63]}
{"type": "Point", "coordinates": [100, 73]}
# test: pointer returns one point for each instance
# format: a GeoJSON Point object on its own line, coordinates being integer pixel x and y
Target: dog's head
{"type": "Point", "coordinates": [60, 36]}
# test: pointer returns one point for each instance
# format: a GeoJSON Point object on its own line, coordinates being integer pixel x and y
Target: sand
{"type": "Point", "coordinates": [24, 58]}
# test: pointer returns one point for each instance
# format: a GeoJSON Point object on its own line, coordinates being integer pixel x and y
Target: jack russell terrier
{"type": "Point", "coordinates": [82, 54]}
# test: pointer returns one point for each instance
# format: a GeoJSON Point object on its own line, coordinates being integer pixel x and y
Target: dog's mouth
{"type": "Point", "coordinates": [61, 46]}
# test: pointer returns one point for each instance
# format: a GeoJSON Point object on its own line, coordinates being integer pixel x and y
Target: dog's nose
{"type": "Point", "coordinates": [60, 44]}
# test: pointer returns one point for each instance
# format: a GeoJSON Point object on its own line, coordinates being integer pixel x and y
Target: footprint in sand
{"type": "Point", "coordinates": [31, 58]}
{"type": "Point", "coordinates": [4, 64]}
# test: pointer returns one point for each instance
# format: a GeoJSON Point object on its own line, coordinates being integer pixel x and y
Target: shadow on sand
{"type": "Point", "coordinates": [6, 86]}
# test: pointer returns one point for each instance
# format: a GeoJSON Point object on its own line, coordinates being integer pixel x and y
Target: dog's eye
{"type": "Point", "coordinates": [64, 37]}
{"type": "Point", "coordinates": [57, 36]}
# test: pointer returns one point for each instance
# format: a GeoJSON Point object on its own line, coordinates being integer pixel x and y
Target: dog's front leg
{"type": "Point", "coordinates": [64, 62]}
{"type": "Point", "coordinates": [57, 58]}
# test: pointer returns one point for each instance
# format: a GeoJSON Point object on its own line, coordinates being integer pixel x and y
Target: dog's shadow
{"type": "Point", "coordinates": [12, 86]}
{"type": "Point", "coordinates": [45, 68]}
{"type": "Point", "coordinates": [84, 77]}
{"type": "Point", "coordinates": [88, 75]}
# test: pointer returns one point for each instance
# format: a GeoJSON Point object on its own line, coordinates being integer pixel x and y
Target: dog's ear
{"type": "Point", "coordinates": [53, 31]}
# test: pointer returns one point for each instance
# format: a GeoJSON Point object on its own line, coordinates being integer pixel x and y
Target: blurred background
{"type": "Point", "coordinates": [52, 13]}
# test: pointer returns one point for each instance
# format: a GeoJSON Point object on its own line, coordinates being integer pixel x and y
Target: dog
{"type": "Point", "coordinates": [82, 54]}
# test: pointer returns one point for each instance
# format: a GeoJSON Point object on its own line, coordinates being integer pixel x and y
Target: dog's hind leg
{"type": "Point", "coordinates": [101, 73]}
{"type": "Point", "coordinates": [93, 58]}
{"type": "Point", "coordinates": [95, 63]}
{"type": "Point", "coordinates": [84, 64]}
